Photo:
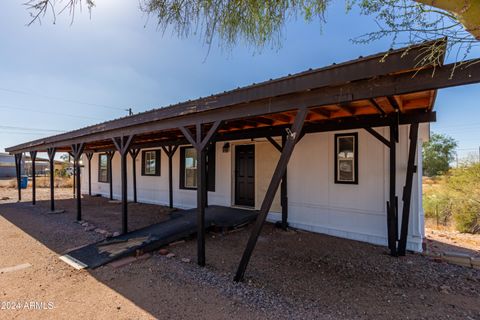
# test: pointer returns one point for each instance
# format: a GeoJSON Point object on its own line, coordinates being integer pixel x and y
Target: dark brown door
{"type": "Point", "coordinates": [245, 175]}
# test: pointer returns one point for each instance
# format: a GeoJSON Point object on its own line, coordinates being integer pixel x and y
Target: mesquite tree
{"type": "Point", "coordinates": [260, 22]}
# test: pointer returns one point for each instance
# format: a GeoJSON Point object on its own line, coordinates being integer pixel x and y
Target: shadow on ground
{"type": "Point", "coordinates": [309, 275]}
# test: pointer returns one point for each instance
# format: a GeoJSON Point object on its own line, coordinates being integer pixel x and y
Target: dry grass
{"type": "Point", "coordinates": [44, 182]}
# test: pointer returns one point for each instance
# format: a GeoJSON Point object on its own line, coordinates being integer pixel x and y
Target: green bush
{"type": "Point", "coordinates": [438, 206]}
{"type": "Point", "coordinates": [464, 185]}
{"type": "Point", "coordinates": [455, 198]}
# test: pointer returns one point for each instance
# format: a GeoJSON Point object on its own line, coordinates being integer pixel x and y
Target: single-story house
{"type": "Point", "coordinates": [335, 150]}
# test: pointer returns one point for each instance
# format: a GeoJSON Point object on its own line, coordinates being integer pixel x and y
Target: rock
{"type": "Point", "coordinates": [163, 252]}
{"type": "Point", "coordinates": [101, 231]}
{"type": "Point", "coordinates": [116, 234]}
{"type": "Point", "coordinates": [170, 255]}
{"type": "Point", "coordinates": [444, 288]}
{"type": "Point", "coordinates": [90, 228]}
{"type": "Point", "coordinates": [5, 198]}
{"type": "Point", "coordinates": [186, 260]}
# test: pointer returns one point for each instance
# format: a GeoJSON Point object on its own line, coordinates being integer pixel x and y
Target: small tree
{"type": "Point", "coordinates": [438, 153]}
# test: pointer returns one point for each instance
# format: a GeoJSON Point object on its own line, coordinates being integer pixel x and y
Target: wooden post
{"type": "Point", "coordinates": [123, 145]}
{"type": "Point", "coordinates": [89, 158]}
{"type": "Point", "coordinates": [170, 151]}
{"type": "Point", "coordinates": [18, 166]}
{"type": "Point", "coordinates": [284, 191]}
{"type": "Point", "coordinates": [283, 186]}
{"type": "Point", "coordinates": [74, 176]}
{"type": "Point", "coordinates": [110, 155]}
{"type": "Point", "coordinates": [33, 157]}
{"type": "Point", "coordinates": [200, 143]}
{"type": "Point", "coordinates": [407, 190]}
{"type": "Point", "coordinates": [77, 150]}
{"type": "Point", "coordinates": [392, 216]}
{"type": "Point", "coordinates": [134, 154]}
{"type": "Point", "coordinates": [272, 189]}
{"type": "Point", "coordinates": [51, 156]}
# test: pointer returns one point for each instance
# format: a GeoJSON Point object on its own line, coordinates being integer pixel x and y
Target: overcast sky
{"type": "Point", "coordinates": [117, 59]}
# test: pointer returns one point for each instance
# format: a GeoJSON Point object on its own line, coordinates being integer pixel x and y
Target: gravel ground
{"type": "Point", "coordinates": [292, 275]}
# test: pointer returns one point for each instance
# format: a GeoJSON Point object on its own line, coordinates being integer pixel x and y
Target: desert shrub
{"type": "Point", "coordinates": [455, 198]}
{"type": "Point", "coordinates": [464, 186]}
{"type": "Point", "coordinates": [438, 206]}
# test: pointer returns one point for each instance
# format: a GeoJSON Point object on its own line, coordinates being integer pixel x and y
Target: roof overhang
{"type": "Point", "coordinates": [366, 92]}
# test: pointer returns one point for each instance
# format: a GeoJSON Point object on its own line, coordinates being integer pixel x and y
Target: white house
{"type": "Point", "coordinates": [335, 150]}
{"type": "Point", "coordinates": [315, 201]}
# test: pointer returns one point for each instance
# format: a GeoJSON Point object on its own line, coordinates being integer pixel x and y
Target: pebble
{"type": "Point", "coordinates": [186, 260]}
{"type": "Point", "coordinates": [170, 255]}
{"type": "Point", "coordinates": [163, 252]}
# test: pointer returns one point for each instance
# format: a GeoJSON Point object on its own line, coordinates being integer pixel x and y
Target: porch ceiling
{"type": "Point", "coordinates": [368, 91]}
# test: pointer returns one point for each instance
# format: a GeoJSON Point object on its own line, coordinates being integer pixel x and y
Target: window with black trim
{"type": "Point", "coordinates": [103, 168]}
{"type": "Point", "coordinates": [150, 162]}
{"type": "Point", "coordinates": [188, 168]}
{"type": "Point", "coordinates": [346, 158]}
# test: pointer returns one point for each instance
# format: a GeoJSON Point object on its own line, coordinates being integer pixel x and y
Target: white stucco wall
{"type": "Point", "coordinates": [316, 203]}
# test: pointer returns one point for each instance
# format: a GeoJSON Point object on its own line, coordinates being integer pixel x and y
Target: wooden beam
{"type": "Point", "coordinates": [347, 108]}
{"type": "Point", "coordinates": [123, 145]}
{"type": "Point", "coordinates": [281, 117]}
{"type": "Point", "coordinates": [324, 113]}
{"type": "Point", "coordinates": [51, 156]}
{"type": "Point", "coordinates": [272, 189]}
{"type": "Point", "coordinates": [374, 104]}
{"type": "Point", "coordinates": [274, 143]}
{"type": "Point", "coordinates": [77, 150]}
{"type": "Point", "coordinates": [134, 153]}
{"type": "Point", "coordinates": [377, 135]}
{"type": "Point", "coordinates": [200, 143]}
{"type": "Point", "coordinates": [407, 190]}
{"type": "Point", "coordinates": [358, 122]}
{"type": "Point", "coordinates": [394, 103]}
{"type": "Point", "coordinates": [89, 158]}
{"type": "Point", "coordinates": [170, 152]}
{"type": "Point", "coordinates": [263, 120]}
{"type": "Point", "coordinates": [398, 100]}
{"type": "Point", "coordinates": [110, 155]}
{"type": "Point", "coordinates": [284, 188]}
{"type": "Point", "coordinates": [392, 219]}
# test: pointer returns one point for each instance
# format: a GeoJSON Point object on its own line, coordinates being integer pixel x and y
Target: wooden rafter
{"type": "Point", "coordinates": [347, 108]}
{"type": "Point", "coordinates": [399, 102]}
{"type": "Point", "coordinates": [374, 104]}
{"type": "Point", "coordinates": [322, 112]}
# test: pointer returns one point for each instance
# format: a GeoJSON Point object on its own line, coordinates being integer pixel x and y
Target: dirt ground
{"type": "Point", "coordinates": [292, 275]}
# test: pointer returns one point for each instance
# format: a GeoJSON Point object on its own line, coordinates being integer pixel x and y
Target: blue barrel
{"type": "Point", "coordinates": [24, 182]}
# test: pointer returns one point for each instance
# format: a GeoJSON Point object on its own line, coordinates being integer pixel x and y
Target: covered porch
{"type": "Point", "coordinates": [384, 90]}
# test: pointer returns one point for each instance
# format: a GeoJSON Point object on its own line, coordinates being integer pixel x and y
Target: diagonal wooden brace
{"type": "Point", "coordinates": [292, 138]}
